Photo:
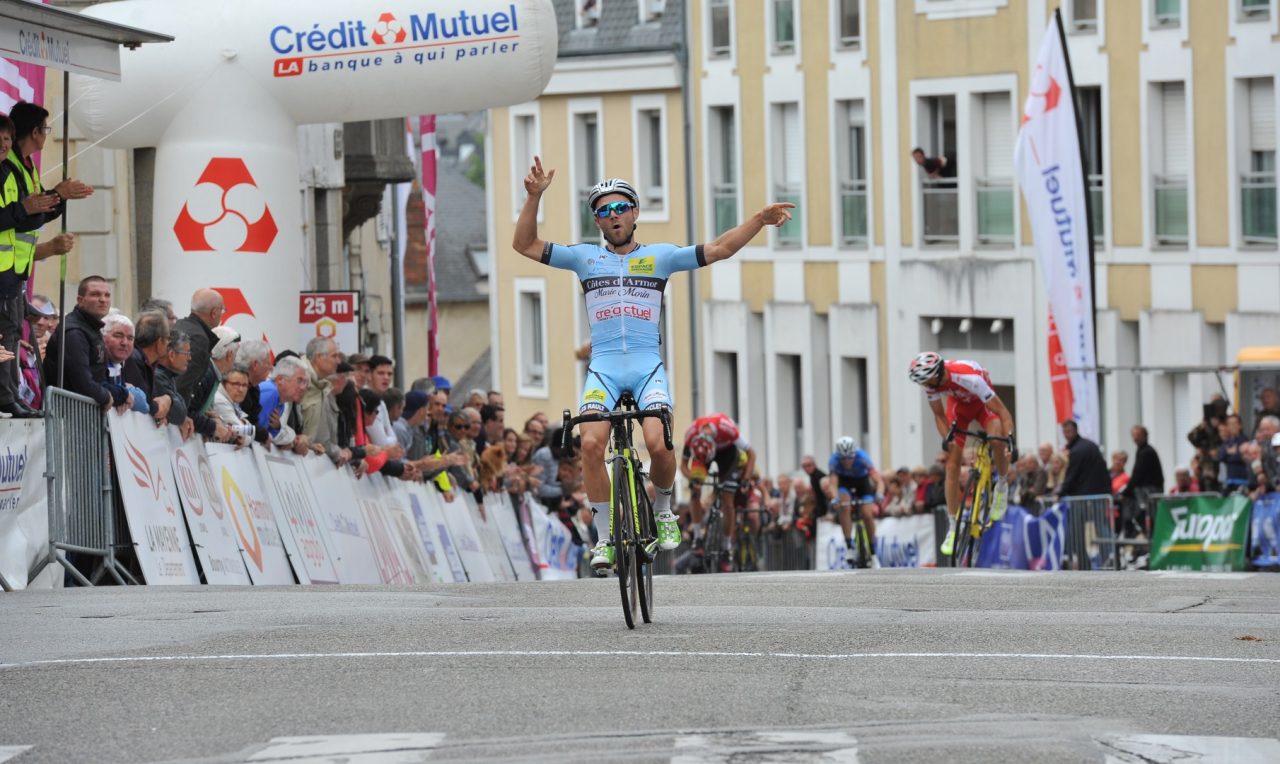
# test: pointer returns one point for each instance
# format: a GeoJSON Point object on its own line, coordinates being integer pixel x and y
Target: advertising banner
{"type": "Point", "coordinates": [832, 551]}
{"type": "Point", "coordinates": [503, 513]}
{"type": "Point", "coordinates": [524, 515]}
{"type": "Point", "coordinates": [466, 539]}
{"type": "Point", "coordinates": [392, 567]}
{"type": "Point", "coordinates": [1022, 541]}
{"type": "Point", "coordinates": [236, 478]}
{"type": "Point", "coordinates": [1266, 531]}
{"type": "Point", "coordinates": [490, 541]}
{"type": "Point", "coordinates": [907, 542]}
{"type": "Point", "coordinates": [554, 546]}
{"type": "Point", "coordinates": [395, 501]}
{"type": "Point", "coordinates": [340, 511]}
{"type": "Point", "coordinates": [300, 526]}
{"type": "Point", "coordinates": [212, 531]}
{"type": "Point", "coordinates": [424, 506]}
{"type": "Point", "coordinates": [24, 501]}
{"type": "Point", "coordinates": [1200, 533]}
{"type": "Point", "coordinates": [141, 456]}
{"type": "Point", "coordinates": [332, 315]}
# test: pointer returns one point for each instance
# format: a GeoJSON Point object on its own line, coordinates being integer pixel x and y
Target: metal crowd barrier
{"type": "Point", "coordinates": [1091, 541]}
{"type": "Point", "coordinates": [78, 469]}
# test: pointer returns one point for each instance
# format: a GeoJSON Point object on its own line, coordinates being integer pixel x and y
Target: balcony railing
{"type": "Point", "coordinates": [1258, 208]}
{"type": "Point", "coordinates": [1171, 209]}
{"type": "Point", "coordinates": [791, 233]}
{"type": "Point", "coordinates": [941, 212]}
{"type": "Point", "coordinates": [853, 212]}
{"type": "Point", "coordinates": [587, 230]}
{"type": "Point", "coordinates": [724, 200]}
{"type": "Point", "coordinates": [1097, 208]}
{"type": "Point", "coordinates": [995, 210]}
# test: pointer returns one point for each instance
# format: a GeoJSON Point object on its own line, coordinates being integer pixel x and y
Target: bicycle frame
{"type": "Point", "coordinates": [973, 518]}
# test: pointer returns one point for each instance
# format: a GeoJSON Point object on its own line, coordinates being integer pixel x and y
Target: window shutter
{"type": "Point", "coordinates": [1173, 115]}
{"type": "Point", "coordinates": [997, 135]}
{"type": "Point", "coordinates": [1262, 114]}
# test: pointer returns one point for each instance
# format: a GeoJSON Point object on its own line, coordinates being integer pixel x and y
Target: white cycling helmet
{"type": "Point", "coordinates": [924, 367]}
{"type": "Point", "coordinates": [846, 446]}
{"type": "Point", "coordinates": [612, 186]}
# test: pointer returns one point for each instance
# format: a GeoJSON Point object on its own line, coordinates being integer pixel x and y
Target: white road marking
{"type": "Point", "coordinates": [627, 653]}
{"type": "Point", "coordinates": [12, 751]}
{"type": "Point", "coordinates": [768, 745]}
{"type": "Point", "coordinates": [390, 748]}
{"type": "Point", "coordinates": [1200, 574]}
{"type": "Point", "coordinates": [1167, 749]}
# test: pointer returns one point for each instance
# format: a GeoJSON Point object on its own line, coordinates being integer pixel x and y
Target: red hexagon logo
{"type": "Point", "coordinates": [228, 207]}
{"type": "Point", "coordinates": [387, 29]}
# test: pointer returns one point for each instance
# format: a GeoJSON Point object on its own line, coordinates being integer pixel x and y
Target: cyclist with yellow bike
{"type": "Point", "coordinates": [715, 439]}
{"type": "Point", "coordinates": [970, 397]}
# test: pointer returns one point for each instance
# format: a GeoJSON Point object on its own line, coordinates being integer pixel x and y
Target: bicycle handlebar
{"type": "Point", "coordinates": [618, 415]}
{"type": "Point", "coordinates": [1008, 440]}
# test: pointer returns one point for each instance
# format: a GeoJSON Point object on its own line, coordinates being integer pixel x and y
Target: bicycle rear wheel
{"type": "Point", "coordinates": [714, 548]}
{"type": "Point", "coordinates": [624, 548]}
{"type": "Point", "coordinates": [862, 542]}
{"type": "Point", "coordinates": [648, 534]}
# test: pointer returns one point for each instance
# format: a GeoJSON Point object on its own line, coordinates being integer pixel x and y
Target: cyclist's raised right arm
{"type": "Point", "coordinates": [526, 240]}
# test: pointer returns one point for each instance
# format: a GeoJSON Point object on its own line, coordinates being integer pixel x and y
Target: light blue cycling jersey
{"type": "Point", "coordinates": [623, 295]}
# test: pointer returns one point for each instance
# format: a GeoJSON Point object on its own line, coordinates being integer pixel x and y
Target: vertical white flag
{"type": "Point", "coordinates": [1051, 173]}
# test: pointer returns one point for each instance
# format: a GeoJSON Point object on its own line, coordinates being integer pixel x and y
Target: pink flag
{"type": "Point", "coordinates": [427, 126]}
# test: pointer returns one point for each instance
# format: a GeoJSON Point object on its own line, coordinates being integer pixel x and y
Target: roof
{"type": "Point", "coordinates": [24, 11]}
{"type": "Point", "coordinates": [619, 30]}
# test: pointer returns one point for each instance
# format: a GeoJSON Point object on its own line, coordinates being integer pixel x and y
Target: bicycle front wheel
{"type": "Point", "coordinates": [963, 549]}
{"type": "Point", "coordinates": [648, 535]}
{"type": "Point", "coordinates": [624, 547]}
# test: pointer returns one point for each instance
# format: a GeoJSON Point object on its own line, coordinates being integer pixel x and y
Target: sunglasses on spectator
{"type": "Point", "coordinates": [614, 208]}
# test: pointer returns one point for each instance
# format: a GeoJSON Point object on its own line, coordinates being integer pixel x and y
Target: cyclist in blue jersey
{"type": "Point", "coordinates": [623, 284]}
{"type": "Point", "coordinates": [855, 480]}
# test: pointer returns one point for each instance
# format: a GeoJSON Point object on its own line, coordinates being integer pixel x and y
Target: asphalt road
{"type": "Point", "coordinates": [866, 666]}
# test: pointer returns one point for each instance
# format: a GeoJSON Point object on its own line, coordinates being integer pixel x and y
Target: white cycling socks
{"type": "Point", "coordinates": [663, 502]}
{"type": "Point", "coordinates": [600, 516]}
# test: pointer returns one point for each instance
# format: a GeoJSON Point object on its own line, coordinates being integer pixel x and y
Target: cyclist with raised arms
{"type": "Point", "coordinates": [970, 396]}
{"type": "Point", "coordinates": [623, 284]}
{"type": "Point", "coordinates": [716, 439]}
{"type": "Point", "coordinates": [856, 478]}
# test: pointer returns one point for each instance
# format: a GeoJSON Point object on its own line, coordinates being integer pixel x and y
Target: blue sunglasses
{"type": "Point", "coordinates": [619, 208]}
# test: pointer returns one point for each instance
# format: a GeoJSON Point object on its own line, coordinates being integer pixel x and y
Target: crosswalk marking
{"type": "Point", "coordinates": [1167, 749]}
{"type": "Point", "coordinates": [390, 748]}
{"type": "Point", "coordinates": [12, 751]}
{"type": "Point", "coordinates": [767, 745]}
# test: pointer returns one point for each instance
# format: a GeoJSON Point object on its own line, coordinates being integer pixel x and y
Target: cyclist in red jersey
{"type": "Point", "coordinates": [715, 439]}
{"type": "Point", "coordinates": [970, 397]}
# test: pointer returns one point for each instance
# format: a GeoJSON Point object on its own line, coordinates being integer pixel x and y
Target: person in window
{"type": "Point", "coordinates": [935, 167]}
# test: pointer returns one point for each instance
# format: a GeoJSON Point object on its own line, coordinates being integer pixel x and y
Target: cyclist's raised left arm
{"type": "Point", "coordinates": [526, 240]}
{"type": "Point", "coordinates": [727, 244]}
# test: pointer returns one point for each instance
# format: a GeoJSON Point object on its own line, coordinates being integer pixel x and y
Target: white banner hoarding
{"type": "Point", "coordinates": [1051, 175]}
{"type": "Point", "coordinates": [236, 476]}
{"type": "Point", "coordinates": [395, 500]}
{"type": "Point", "coordinates": [24, 502]}
{"type": "Point", "coordinates": [424, 502]}
{"type": "Point", "coordinates": [907, 542]}
{"type": "Point", "coordinates": [301, 529]}
{"type": "Point", "coordinates": [832, 551]}
{"type": "Point", "coordinates": [502, 512]}
{"type": "Point", "coordinates": [466, 540]}
{"type": "Point", "coordinates": [141, 456]}
{"type": "Point", "coordinates": [392, 567]}
{"type": "Point", "coordinates": [212, 531]}
{"type": "Point", "coordinates": [352, 550]}
{"type": "Point", "coordinates": [490, 540]}
{"type": "Point", "coordinates": [554, 545]}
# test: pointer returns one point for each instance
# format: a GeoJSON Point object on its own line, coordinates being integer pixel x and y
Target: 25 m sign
{"type": "Point", "coordinates": [332, 315]}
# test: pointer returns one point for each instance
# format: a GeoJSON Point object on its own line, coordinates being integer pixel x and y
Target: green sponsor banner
{"type": "Point", "coordinates": [1200, 533]}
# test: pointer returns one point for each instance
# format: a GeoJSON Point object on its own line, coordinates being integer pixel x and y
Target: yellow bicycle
{"type": "Point", "coordinates": [975, 504]}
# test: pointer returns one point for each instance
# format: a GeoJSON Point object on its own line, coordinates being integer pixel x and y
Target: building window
{"type": "Point", "coordinates": [721, 28]}
{"type": "Point", "coordinates": [850, 23]}
{"type": "Point", "coordinates": [723, 153]}
{"type": "Point", "coordinates": [1255, 10]}
{"type": "Point", "coordinates": [994, 181]}
{"type": "Point", "coordinates": [1084, 15]}
{"type": "Point", "coordinates": [855, 416]}
{"type": "Point", "coordinates": [851, 154]}
{"type": "Point", "coordinates": [788, 168]}
{"type": "Point", "coordinates": [1258, 181]}
{"type": "Point", "coordinates": [784, 26]}
{"type": "Point", "coordinates": [1166, 13]}
{"type": "Point", "coordinates": [941, 202]}
{"type": "Point", "coordinates": [531, 328]}
{"type": "Point", "coordinates": [586, 147]}
{"type": "Point", "coordinates": [651, 159]}
{"type": "Point", "coordinates": [726, 382]}
{"type": "Point", "coordinates": [524, 136]}
{"type": "Point", "coordinates": [588, 13]}
{"type": "Point", "coordinates": [651, 10]}
{"type": "Point", "coordinates": [1090, 100]}
{"type": "Point", "coordinates": [1170, 161]}
{"type": "Point", "coordinates": [788, 403]}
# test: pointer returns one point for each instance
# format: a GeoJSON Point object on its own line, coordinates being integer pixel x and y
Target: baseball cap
{"type": "Point", "coordinates": [227, 337]}
{"type": "Point", "coordinates": [41, 310]}
{"type": "Point", "coordinates": [413, 401]}
{"type": "Point", "coordinates": [441, 382]}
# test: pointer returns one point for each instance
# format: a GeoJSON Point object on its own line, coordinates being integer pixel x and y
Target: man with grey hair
{"type": "Point", "coordinates": [319, 408]}
{"type": "Point", "coordinates": [255, 355]}
{"type": "Point", "coordinates": [163, 307]}
{"type": "Point", "coordinates": [206, 312]}
{"type": "Point", "coordinates": [150, 347]}
{"type": "Point", "coordinates": [279, 397]}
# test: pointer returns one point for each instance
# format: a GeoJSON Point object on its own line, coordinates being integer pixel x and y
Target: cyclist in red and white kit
{"type": "Point", "coordinates": [716, 439]}
{"type": "Point", "coordinates": [970, 397]}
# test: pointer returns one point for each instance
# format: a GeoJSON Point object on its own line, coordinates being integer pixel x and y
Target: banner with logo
{"type": "Point", "coordinates": [502, 513]}
{"type": "Point", "coordinates": [235, 474]}
{"type": "Point", "coordinates": [1265, 522]}
{"type": "Point", "coordinates": [212, 531]}
{"type": "Point", "coordinates": [424, 506]}
{"type": "Point", "coordinates": [395, 501]}
{"type": "Point", "coordinates": [340, 510]}
{"type": "Point", "coordinates": [393, 568]}
{"type": "Point", "coordinates": [490, 540]}
{"type": "Point", "coordinates": [141, 459]}
{"type": "Point", "coordinates": [554, 545]}
{"type": "Point", "coordinates": [24, 502]}
{"type": "Point", "coordinates": [1022, 541]}
{"type": "Point", "coordinates": [1200, 533]}
{"type": "Point", "coordinates": [1051, 174]}
{"type": "Point", "coordinates": [832, 551]}
{"type": "Point", "coordinates": [525, 509]}
{"type": "Point", "coordinates": [466, 539]}
{"type": "Point", "coordinates": [907, 542]}
{"type": "Point", "coordinates": [332, 315]}
{"type": "Point", "coordinates": [301, 530]}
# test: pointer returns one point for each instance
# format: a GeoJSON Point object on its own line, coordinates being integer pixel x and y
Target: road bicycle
{"type": "Point", "coordinates": [860, 554]}
{"type": "Point", "coordinates": [746, 558]}
{"type": "Point", "coordinates": [633, 531]}
{"type": "Point", "coordinates": [975, 505]}
{"type": "Point", "coordinates": [711, 548]}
